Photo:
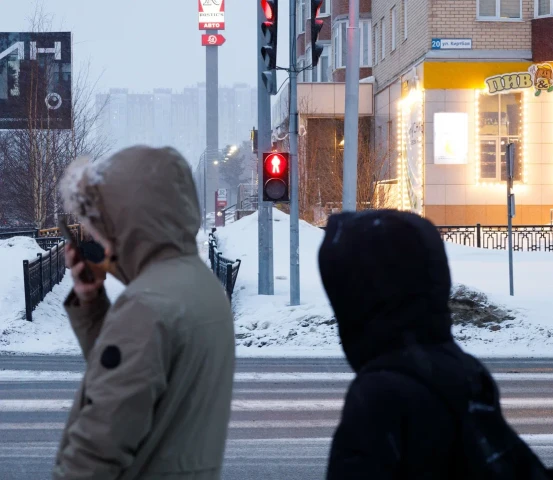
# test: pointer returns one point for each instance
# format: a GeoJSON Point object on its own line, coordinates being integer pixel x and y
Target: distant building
{"type": "Point", "coordinates": [177, 119]}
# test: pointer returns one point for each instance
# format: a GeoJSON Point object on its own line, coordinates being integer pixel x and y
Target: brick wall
{"type": "Point", "coordinates": [429, 19]}
{"type": "Point", "coordinates": [341, 7]}
{"type": "Point", "coordinates": [542, 39]}
{"type": "Point", "coordinates": [458, 20]}
{"type": "Point", "coordinates": [407, 51]}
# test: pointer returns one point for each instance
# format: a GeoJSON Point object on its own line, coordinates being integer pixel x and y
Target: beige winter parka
{"type": "Point", "coordinates": [155, 400]}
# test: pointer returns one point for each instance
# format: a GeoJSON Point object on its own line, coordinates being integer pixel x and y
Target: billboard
{"type": "Point", "coordinates": [35, 76]}
{"type": "Point", "coordinates": [211, 14]}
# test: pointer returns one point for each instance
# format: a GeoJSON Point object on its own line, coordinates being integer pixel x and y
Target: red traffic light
{"type": "Point", "coordinates": [268, 9]}
{"type": "Point", "coordinates": [276, 165]}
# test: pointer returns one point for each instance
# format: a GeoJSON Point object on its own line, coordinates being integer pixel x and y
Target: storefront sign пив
{"type": "Point", "coordinates": [539, 76]}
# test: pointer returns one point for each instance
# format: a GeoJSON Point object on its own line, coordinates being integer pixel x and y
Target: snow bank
{"type": "Point", "coordinates": [270, 321]}
{"type": "Point", "coordinates": [531, 331]}
{"type": "Point", "coordinates": [12, 294]}
{"type": "Point", "coordinates": [269, 326]}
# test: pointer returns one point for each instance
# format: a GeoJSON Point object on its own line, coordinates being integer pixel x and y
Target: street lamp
{"type": "Point", "coordinates": [203, 159]}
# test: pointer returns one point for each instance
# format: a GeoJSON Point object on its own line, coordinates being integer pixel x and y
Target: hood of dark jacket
{"type": "Point", "coordinates": [387, 277]}
{"type": "Point", "coordinates": [143, 200]}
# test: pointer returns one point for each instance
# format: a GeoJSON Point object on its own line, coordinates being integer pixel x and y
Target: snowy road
{"type": "Point", "coordinates": [284, 413]}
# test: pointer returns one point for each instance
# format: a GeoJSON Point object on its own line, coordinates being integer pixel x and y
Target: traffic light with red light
{"type": "Point", "coordinates": [269, 51]}
{"type": "Point", "coordinates": [316, 27]}
{"type": "Point", "coordinates": [276, 177]}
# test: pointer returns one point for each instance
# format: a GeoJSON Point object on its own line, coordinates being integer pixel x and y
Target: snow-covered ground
{"type": "Point", "coordinates": [268, 326]}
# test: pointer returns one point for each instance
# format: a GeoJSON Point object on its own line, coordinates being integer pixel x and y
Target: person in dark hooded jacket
{"type": "Point", "coordinates": [387, 277]}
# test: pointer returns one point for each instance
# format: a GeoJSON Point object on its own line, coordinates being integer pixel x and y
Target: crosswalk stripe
{"type": "Point", "coordinates": [241, 405]}
{"type": "Point", "coordinates": [240, 377]}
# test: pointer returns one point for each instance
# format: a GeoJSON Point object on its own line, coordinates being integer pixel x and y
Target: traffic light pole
{"type": "Point", "coordinates": [265, 209]}
{"type": "Point", "coordinates": [211, 103]}
{"type": "Point", "coordinates": [294, 167]}
{"type": "Point", "coordinates": [351, 121]}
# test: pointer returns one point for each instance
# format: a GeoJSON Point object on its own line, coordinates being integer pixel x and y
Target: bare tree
{"type": "Point", "coordinates": [320, 154]}
{"type": "Point", "coordinates": [33, 159]}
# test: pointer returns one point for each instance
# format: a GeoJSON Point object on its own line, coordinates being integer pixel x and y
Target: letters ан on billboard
{"type": "Point", "coordinates": [35, 76]}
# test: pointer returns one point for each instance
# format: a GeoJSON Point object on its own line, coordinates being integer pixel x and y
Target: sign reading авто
{"type": "Point", "coordinates": [211, 14]}
{"type": "Point", "coordinates": [539, 76]}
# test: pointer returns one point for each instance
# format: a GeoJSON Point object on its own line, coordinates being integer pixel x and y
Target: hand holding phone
{"type": "Point", "coordinates": [86, 285]}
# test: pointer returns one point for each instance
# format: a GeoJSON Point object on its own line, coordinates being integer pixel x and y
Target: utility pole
{"type": "Point", "coordinates": [265, 209]}
{"type": "Point", "coordinates": [510, 156]}
{"type": "Point", "coordinates": [351, 121]}
{"type": "Point", "coordinates": [294, 167]}
{"type": "Point", "coordinates": [211, 103]}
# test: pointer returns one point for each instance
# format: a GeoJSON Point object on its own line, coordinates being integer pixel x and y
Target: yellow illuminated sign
{"type": "Point", "coordinates": [539, 76]}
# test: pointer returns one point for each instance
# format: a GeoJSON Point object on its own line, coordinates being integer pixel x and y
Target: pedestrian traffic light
{"type": "Point", "coordinates": [269, 51]}
{"type": "Point", "coordinates": [316, 26]}
{"type": "Point", "coordinates": [276, 177]}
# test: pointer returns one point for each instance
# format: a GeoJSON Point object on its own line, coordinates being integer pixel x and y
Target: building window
{"type": "Point", "coordinates": [321, 73]}
{"type": "Point", "coordinates": [301, 16]}
{"type": "Point", "coordinates": [544, 8]}
{"type": "Point", "coordinates": [504, 10]}
{"type": "Point", "coordinates": [499, 124]}
{"type": "Point", "coordinates": [376, 43]}
{"type": "Point", "coordinates": [405, 11]}
{"type": "Point", "coordinates": [340, 43]}
{"type": "Point", "coordinates": [383, 38]}
{"type": "Point", "coordinates": [365, 29]}
{"type": "Point", "coordinates": [394, 27]}
{"type": "Point", "coordinates": [301, 72]}
{"type": "Point", "coordinates": [325, 8]}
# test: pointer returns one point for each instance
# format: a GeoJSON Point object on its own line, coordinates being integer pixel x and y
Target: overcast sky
{"type": "Point", "coordinates": [145, 44]}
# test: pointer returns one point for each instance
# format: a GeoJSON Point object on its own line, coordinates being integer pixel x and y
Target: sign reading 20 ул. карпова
{"type": "Point", "coordinates": [451, 44]}
{"type": "Point", "coordinates": [35, 76]}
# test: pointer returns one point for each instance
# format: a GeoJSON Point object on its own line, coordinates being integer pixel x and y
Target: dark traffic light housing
{"type": "Point", "coordinates": [269, 29]}
{"type": "Point", "coordinates": [316, 27]}
{"type": "Point", "coordinates": [276, 177]}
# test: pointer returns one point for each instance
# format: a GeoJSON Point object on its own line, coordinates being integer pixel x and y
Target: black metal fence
{"type": "Point", "coordinates": [41, 275]}
{"type": "Point", "coordinates": [10, 233]}
{"type": "Point", "coordinates": [529, 238]}
{"type": "Point", "coordinates": [226, 270]}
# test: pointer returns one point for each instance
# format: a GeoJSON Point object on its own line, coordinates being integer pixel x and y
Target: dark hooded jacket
{"type": "Point", "coordinates": [387, 277]}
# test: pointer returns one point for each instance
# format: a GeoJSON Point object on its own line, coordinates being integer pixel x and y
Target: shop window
{"type": "Point", "coordinates": [504, 10]}
{"type": "Point", "coordinates": [499, 125]}
{"type": "Point", "coordinates": [544, 8]}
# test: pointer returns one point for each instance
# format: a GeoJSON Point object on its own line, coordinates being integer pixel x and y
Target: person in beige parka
{"type": "Point", "coordinates": [156, 396]}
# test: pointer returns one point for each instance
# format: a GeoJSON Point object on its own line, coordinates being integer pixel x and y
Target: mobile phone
{"type": "Point", "coordinates": [86, 275]}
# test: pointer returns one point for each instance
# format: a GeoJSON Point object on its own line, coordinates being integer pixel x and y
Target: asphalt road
{"type": "Point", "coordinates": [284, 413]}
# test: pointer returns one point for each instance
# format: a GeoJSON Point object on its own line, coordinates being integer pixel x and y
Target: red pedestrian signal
{"type": "Point", "coordinates": [276, 177]}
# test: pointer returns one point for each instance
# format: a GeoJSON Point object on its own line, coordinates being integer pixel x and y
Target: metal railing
{"type": "Point", "coordinates": [41, 275]}
{"type": "Point", "coordinates": [529, 238]}
{"type": "Point", "coordinates": [247, 199]}
{"type": "Point", "coordinates": [76, 229]}
{"type": "Point", "coordinates": [226, 270]}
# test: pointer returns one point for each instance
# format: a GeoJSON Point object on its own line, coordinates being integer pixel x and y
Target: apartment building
{"type": "Point", "coordinates": [456, 82]}
{"type": "Point", "coordinates": [165, 117]}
